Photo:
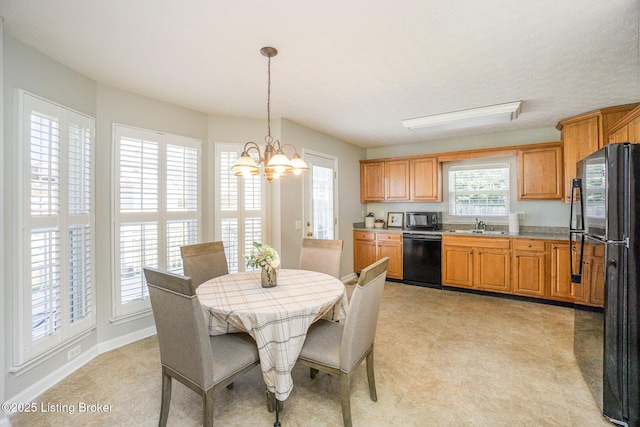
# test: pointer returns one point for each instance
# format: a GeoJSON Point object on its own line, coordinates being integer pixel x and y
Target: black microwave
{"type": "Point", "coordinates": [423, 220]}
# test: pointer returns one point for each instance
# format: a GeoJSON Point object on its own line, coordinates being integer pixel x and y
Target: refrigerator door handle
{"type": "Point", "coordinates": [576, 183]}
{"type": "Point", "coordinates": [576, 276]}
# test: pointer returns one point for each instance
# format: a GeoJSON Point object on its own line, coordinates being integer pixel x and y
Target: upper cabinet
{"type": "Point", "coordinates": [626, 129]}
{"type": "Point", "coordinates": [426, 180]}
{"type": "Point", "coordinates": [540, 174]}
{"type": "Point", "coordinates": [400, 180]}
{"type": "Point", "coordinates": [585, 134]}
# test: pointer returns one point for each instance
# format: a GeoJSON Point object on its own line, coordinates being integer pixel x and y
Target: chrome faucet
{"type": "Point", "coordinates": [480, 225]}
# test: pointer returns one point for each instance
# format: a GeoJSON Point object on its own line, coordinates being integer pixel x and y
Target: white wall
{"type": "Point", "coordinates": [3, 278]}
{"type": "Point", "coordinates": [291, 204]}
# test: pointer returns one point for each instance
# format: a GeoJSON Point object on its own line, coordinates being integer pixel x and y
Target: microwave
{"type": "Point", "coordinates": [424, 220]}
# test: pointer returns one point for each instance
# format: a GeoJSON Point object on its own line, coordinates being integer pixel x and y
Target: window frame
{"type": "Point", "coordinates": [27, 350]}
{"type": "Point", "coordinates": [161, 216]}
{"type": "Point", "coordinates": [451, 211]}
{"type": "Point", "coordinates": [240, 213]}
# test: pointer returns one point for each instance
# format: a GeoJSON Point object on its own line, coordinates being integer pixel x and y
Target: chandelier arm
{"type": "Point", "coordinates": [295, 151]}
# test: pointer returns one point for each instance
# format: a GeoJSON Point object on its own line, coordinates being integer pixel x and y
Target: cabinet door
{"type": "Point", "coordinates": [633, 130]}
{"type": "Point", "coordinates": [529, 273]}
{"type": "Point", "coordinates": [561, 287]}
{"type": "Point", "coordinates": [397, 177]}
{"type": "Point", "coordinates": [621, 135]}
{"type": "Point", "coordinates": [457, 266]}
{"type": "Point", "coordinates": [425, 180]}
{"type": "Point", "coordinates": [492, 270]}
{"type": "Point", "coordinates": [540, 174]}
{"type": "Point", "coordinates": [394, 251]}
{"type": "Point", "coordinates": [364, 254]}
{"type": "Point", "coordinates": [580, 140]}
{"type": "Point", "coordinates": [372, 182]}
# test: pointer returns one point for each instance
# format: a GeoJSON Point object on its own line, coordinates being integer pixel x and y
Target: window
{"type": "Point", "coordinates": [156, 209]}
{"type": "Point", "coordinates": [56, 247]}
{"type": "Point", "coordinates": [240, 207]}
{"type": "Point", "coordinates": [479, 190]}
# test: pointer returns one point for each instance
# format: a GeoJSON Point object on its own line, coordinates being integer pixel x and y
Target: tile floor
{"type": "Point", "coordinates": [443, 358]}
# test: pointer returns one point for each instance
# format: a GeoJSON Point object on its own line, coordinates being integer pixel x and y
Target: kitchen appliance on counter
{"type": "Point", "coordinates": [604, 203]}
{"type": "Point", "coordinates": [422, 259]}
{"type": "Point", "coordinates": [423, 220]}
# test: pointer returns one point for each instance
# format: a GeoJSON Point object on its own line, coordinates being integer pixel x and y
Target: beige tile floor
{"type": "Point", "coordinates": [443, 358]}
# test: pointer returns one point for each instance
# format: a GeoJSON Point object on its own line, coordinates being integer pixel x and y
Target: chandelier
{"type": "Point", "coordinates": [276, 163]}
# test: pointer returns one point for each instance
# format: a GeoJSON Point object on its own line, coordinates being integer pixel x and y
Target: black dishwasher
{"type": "Point", "coordinates": [422, 259]}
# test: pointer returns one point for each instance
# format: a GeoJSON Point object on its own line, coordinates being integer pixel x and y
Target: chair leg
{"type": "Point", "coordinates": [371, 377]}
{"type": "Point", "coordinates": [271, 398]}
{"type": "Point", "coordinates": [166, 399]}
{"type": "Point", "coordinates": [207, 408]}
{"type": "Point", "coordinates": [345, 398]}
{"type": "Point", "coordinates": [313, 373]}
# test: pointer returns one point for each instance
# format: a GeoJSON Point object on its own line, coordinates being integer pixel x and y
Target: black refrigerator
{"type": "Point", "coordinates": [604, 207]}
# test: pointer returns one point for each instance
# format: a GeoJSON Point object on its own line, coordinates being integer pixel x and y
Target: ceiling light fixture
{"type": "Point", "coordinates": [276, 163]}
{"type": "Point", "coordinates": [493, 114]}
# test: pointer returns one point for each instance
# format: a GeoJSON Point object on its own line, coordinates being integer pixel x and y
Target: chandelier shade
{"type": "Point", "coordinates": [273, 159]}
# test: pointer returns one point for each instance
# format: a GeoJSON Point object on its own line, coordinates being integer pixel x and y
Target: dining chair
{"type": "Point", "coordinates": [204, 261]}
{"type": "Point", "coordinates": [188, 354]}
{"type": "Point", "coordinates": [338, 348]}
{"type": "Point", "coordinates": [321, 255]}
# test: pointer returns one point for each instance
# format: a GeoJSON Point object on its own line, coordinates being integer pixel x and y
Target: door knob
{"type": "Point", "coordinates": [309, 234]}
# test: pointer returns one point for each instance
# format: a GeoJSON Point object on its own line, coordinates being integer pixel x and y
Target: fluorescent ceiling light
{"type": "Point", "coordinates": [493, 114]}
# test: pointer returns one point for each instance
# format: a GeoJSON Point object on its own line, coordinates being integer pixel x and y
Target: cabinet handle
{"type": "Point", "coordinates": [529, 245]}
{"type": "Point", "coordinates": [522, 195]}
{"type": "Point", "coordinates": [471, 252]}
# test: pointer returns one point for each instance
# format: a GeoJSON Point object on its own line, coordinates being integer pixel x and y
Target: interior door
{"type": "Point", "coordinates": [320, 196]}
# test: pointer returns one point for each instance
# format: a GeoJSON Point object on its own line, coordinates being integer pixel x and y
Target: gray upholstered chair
{"type": "Point", "coordinates": [338, 348]}
{"type": "Point", "coordinates": [321, 255]}
{"type": "Point", "coordinates": [204, 261]}
{"type": "Point", "coordinates": [187, 352]}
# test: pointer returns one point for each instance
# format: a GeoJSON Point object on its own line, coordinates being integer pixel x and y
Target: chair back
{"type": "Point", "coordinates": [321, 255]}
{"type": "Point", "coordinates": [364, 306]}
{"type": "Point", "coordinates": [204, 261]}
{"type": "Point", "coordinates": [183, 337]}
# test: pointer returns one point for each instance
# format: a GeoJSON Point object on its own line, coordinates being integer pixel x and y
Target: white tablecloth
{"type": "Point", "coordinates": [277, 318]}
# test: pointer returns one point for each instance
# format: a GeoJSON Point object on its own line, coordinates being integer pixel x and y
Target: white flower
{"type": "Point", "coordinates": [263, 256]}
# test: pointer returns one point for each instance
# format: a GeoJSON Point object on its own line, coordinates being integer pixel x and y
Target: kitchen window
{"type": "Point", "coordinates": [157, 200]}
{"type": "Point", "coordinates": [479, 190]}
{"type": "Point", "coordinates": [55, 286]}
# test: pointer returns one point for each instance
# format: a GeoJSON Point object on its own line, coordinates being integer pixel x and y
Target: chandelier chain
{"type": "Point", "coordinates": [268, 138]}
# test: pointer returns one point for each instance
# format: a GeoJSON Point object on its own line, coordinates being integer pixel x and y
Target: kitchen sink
{"type": "Point", "coordinates": [487, 232]}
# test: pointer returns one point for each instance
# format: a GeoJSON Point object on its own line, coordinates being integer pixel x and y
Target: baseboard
{"type": "Point", "coordinates": [35, 390]}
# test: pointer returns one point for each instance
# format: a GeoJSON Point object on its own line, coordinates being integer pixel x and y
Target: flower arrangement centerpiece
{"type": "Point", "coordinates": [265, 257]}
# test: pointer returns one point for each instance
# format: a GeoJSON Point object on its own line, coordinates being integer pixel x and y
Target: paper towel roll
{"type": "Point", "coordinates": [514, 227]}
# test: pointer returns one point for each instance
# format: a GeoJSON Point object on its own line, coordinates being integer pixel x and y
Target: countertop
{"type": "Point", "coordinates": [542, 233]}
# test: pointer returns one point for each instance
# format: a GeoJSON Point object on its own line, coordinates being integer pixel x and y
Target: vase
{"type": "Point", "coordinates": [268, 277]}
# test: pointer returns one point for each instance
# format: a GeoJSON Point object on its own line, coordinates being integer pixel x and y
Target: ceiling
{"type": "Point", "coordinates": [351, 69]}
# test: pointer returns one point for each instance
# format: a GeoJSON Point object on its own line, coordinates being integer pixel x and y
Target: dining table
{"type": "Point", "coordinates": [277, 318]}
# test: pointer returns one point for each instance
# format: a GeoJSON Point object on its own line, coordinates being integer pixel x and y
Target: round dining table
{"type": "Point", "coordinates": [277, 318]}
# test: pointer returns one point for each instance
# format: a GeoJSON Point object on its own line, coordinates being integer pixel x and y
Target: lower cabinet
{"type": "Point", "coordinates": [529, 267]}
{"type": "Point", "coordinates": [370, 246]}
{"type": "Point", "coordinates": [476, 263]}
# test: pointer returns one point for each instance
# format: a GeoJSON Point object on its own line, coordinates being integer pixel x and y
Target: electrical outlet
{"type": "Point", "coordinates": [74, 352]}
{"type": "Point", "coordinates": [520, 216]}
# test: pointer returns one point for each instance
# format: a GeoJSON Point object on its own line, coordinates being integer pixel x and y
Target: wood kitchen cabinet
{"type": "Point", "coordinates": [540, 172]}
{"type": "Point", "coordinates": [425, 179]}
{"type": "Point", "coordinates": [585, 134]}
{"type": "Point", "coordinates": [477, 262]}
{"type": "Point", "coordinates": [627, 129]}
{"type": "Point", "coordinates": [399, 180]}
{"type": "Point", "coordinates": [529, 267]}
{"type": "Point", "coordinates": [370, 246]}
{"type": "Point", "coordinates": [561, 287]}
{"type": "Point", "coordinates": [372, 188]}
